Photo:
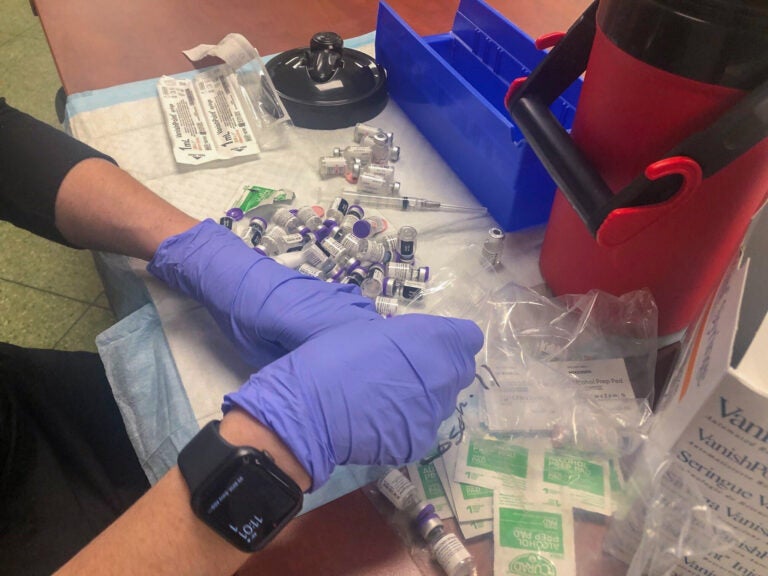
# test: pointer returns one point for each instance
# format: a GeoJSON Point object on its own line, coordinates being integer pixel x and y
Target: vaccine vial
{"type": "Point", "coordinates": [374, 252]}
{"type": "Point", "coordinates": [411, 290]}
{"type": "Point", "coordinates": [372, 285]}
{"type": "Point", "coordinates": [373, 184]}
{"type": "Point", "coordinates": [363, 130]}
{"type": "Point", "coordinates": [377, 223]}
{"type": "Point", "coordinates": [356, 277]}
{"type": "Point", "coordinates": [353, 171]}
{"type": "Point", "coordinates": [363, 155]}
{"type": "Point", "coordinates": [386, 306]}
{"type": "Point", "coordinates": [235, 213]}
{"type": "Point", "coordinates": [257, 227]}
{"type": "Point", "coordinates": [354, 213]}
{"type": "Point", "coordinates": [353, 244]}
{"type": "Point", "coordinates": [406, 243]}
{"type": "Point", "coordinates": [399, 490]}
{"type": "Point", "coordinates": [390, 242]}
{"type": "Point", "coordinates": [226, 221]}
{"type": "Point", "coordinates": [382, 171]}
{"type": "Point", "coordinates": [316, 257]}
{"type": "Point", "coordinates": [336, 209]}
{"type": "Point", "coordinates": [493, 246]}
{"type": "Point", "coordinates": [331, 166]}
{"type": "Point", "coordinates": [294, 242]}
{"type": "Point", "coordinates": [390, 287]}
{"type": "Point", "coordinates": [451, 554]}
{"type": "Point", "coordinates": [382, 151]}
{"type": "Point", "coordinates": [286, 219]}
{"type": "Point", "coordinates": [399, 270]}
{"type": "Point", "coordinates": [334, 249]}
{"type": "Point", "coordinates": [308, 215]}
{"type": "Point", "coordinates": [271, 245]}
{"type": "Point", "coordinates": [309, 270]}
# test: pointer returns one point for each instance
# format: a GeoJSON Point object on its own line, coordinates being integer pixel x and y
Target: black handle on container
{"type": "Point", "coordinates": [733, 133]}
{"type": "Point", "coordinates": [529, 106]}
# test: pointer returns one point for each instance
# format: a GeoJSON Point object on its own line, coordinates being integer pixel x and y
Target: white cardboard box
{"type": "Point", "coordinates": [713, 418]}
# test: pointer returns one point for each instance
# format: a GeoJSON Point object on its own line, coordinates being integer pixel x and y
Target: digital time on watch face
{"type": "Point", "coordinates": [247, 504]}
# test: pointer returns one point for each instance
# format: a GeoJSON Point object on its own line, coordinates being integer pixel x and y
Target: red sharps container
{"type": "Point", "coordinates": [667, 161]}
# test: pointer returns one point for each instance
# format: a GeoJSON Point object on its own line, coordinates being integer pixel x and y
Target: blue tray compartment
{"type": "Point", "coordinates": [452, 87]}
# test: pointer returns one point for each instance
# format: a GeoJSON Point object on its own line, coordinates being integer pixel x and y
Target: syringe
{"type": "Point", "coordinates": [398, 202]}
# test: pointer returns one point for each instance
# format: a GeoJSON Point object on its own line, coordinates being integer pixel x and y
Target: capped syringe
{"type": "Point", "coordinates": [400, 202]}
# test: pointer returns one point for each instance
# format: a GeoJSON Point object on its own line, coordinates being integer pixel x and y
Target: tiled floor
{"type": "Point", "coordinates": [50, 296]}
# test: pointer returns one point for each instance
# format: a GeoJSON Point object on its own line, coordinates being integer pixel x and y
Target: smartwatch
{"type": "Point", "coordinates": [238, 491]}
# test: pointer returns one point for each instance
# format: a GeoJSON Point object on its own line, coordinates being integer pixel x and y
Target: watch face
{"type": "Point", "coordinates": [247, 503]}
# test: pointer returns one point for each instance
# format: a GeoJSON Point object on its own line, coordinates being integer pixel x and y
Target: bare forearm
{"type": "Point", "coordinates": [100, 206]}
{"type": "Point", "coordinates": [161, 535]}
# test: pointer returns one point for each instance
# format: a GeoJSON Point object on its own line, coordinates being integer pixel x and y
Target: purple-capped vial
{"type": "Point", "coordinates": [309, 270]}
{"type": "Point", "coordinates": [386, 306]}
{"type": "Point", "coordinates": [336, 274]}
{"type": "Point", "coordinates": [338, 204]}
{"type": "Point", "coordinates": [411, 289]}
{"type": "Point", "coordinates": [427, 521]}
{"type": "Point", "coordinates": [374, 252]}
{"type": "Point", "coordinates": [257, 227]}
{"type": "Point", "coordinates": [354, 244]}
{"type": "Point", "coordinates": [334, 249]}
{"type": "Point", "coordinates": [399, 270]}
{"type": "Point", "coordinates": [276, 232]}
{"type": "Point", "coordinates": [294, 242]}
{"type": "Point", "coordinates": [350, 264]}
{"type": "Point", "coordinates": [372, 285]}
{"type": "Point", "coordinates": [406, 243]}
{"type": "Point", "coordinates": [390, 286]}
{"type": "Point", "coordinates": [319, 234]}
{"type": "Point", "coordinates": [371, 288]}
{"type": "Point", "coordinates": [226, 221]}
{"type": "Point", "coordinates": [361, 228]}
{"type": "Point", "coordinates": [356, 277]}
{"type": "Point", "coordinates": [390, 241]}
{"type": "Point", "coordinates": [354, 214]}
{"type": "Point", "coordinates": [235, 213]}
{"type": "Point", "coordinates": [315, 256]}
{"type": "Point", "coordinates": [336, 233]}
{"type": "Point", "coordinates": [271, 246]}
{"type": "Point", "coordinates": [286, 219]}
{"type": "Point", "coordinates": [421, 274]}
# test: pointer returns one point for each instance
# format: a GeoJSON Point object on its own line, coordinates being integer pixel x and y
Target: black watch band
{"type": "Point", "coordinates": [237, 490]}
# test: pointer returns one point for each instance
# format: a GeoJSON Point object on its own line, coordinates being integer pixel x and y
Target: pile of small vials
{"type": "Point", "coordinates": [342, 243]}
{"type": "Point", "coordinates": [367, 163]}
{"type": "Point", "coordinates": [445, 547]}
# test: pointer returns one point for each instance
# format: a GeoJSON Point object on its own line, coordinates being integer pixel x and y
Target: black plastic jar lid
{"type": "Point", "coordinates": [327, 86]}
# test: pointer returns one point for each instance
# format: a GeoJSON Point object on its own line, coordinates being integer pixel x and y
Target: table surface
{"type": "Point", "coordinates": [99, 43]}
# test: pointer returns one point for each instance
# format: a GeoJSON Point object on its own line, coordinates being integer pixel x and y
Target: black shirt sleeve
{"type": "Point", "coordinates": [34, 159]}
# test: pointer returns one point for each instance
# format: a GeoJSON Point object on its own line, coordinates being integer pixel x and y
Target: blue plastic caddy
{"type": "Point", "coordinates": [452, 87]}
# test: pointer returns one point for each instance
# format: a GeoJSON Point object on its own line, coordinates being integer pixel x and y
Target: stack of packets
{"type": "Point", "coordinates": [523, 489]}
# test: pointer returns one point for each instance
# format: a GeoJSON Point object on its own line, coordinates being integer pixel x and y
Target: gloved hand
{"type": "Point", "coordinates": [364, 393]}
{"type": "Point", "coordinates": [265, 308]}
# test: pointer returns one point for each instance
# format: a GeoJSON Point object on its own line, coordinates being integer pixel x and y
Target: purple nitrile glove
{"type": "Point", "coordinates": [364, 393]}
{"type": "Point", "coordinates": [265, 308]}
